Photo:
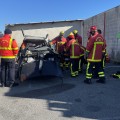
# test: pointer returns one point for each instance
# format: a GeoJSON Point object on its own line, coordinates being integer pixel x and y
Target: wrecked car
{"type": "Point", "coordinates": [37, 59]}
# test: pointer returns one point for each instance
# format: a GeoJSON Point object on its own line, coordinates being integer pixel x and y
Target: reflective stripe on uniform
{"type": "Point", "coordinates": [101, 74]}
{"type": "Point", "coordinates": [9, 47]}
{"type": "Point", "coordinates": [94, 60]}
{"type": "Point", "coordinates": [73, 47]}
{"type": "Point", "coordinates": [74, 56]}
{"type": "Point", "coordinates": [81, 55]}
{"type": "Point", "coordinates": [94, 49]}
{"type": "Point", "coordinates": [8, 57]}
{"type": "Point", "coordinates": [89, 76]}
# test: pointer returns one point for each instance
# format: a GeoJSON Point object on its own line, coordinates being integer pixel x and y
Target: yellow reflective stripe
{"type": "Point", "coordinates": [7, 56]}
{"type": "Point", "coordinates": [94, 60]}
{"type": "Point", "coordinates": [100, 72]}
{"type": "Point", "coordinates": [62, 43]}
{"type": "Point", "coordinates": [15, 48]}
{"type": "Point", "coordinates": [74, 56]}
{"type": "Point", "coordinates": [10, 44]}
{"type": "Point", "coordinates": [71, 68]}
{"type": "Point", "coordinates": [81, 55]}
{"type": "Point", "coordinates": [93, 55]}
{"type": "Point", "coordinates": [89, 74]}
{"type": "Point", "coordinates": [99, 38]}
{"type": "Point", "coordinates": [98, 42]}
{"type": "Point", "coordinates": [88, 77]}
{"type": "Point", "coordinates": [95, 44]}
{"type": "Point", "coordinates": [87, 68]}
{"type": "Point", "coordinates": [101, 75]}
{"type": "Point", "coordinates": [7, 48]}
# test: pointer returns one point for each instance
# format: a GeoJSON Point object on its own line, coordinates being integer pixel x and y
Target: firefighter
{"type": "Point", "coordinates": [77, 36]}
{"type": "Point", "coordinates": [8, 53]}
{"type": "Point", "coordinates": [79, 39]}
{"type": "Point", "coordinates": [95, 51]}
{"type": "Point", "coordinates": [95, 72]}
{"type": "Point", "coordinates": [74, 49]}
{"type": "Point", "coordinates": [82, 59]}
{"type": "Point", "coordinates": [60, 43]}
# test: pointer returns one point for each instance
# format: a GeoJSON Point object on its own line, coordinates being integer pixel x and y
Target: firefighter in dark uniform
{"type": "Point", "coordinates": [60, 42]}
{"type": "Point", "coordinates": [95, 72]}
{"type": "Point", "coordinates": [74, 49]}
{"type": "Point", "coordinates": [78, 38]}
{"type": "Point", "coordinates": [8, 53]}
{"type": "Point", "coordinates": [95, 50]}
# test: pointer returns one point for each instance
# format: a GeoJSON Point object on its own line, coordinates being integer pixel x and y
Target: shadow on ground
{"type": "Point", "coordinates": [73, 98]}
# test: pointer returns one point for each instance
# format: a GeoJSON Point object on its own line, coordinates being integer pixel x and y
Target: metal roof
{"type": "Point", "coordinates": [42, 22]}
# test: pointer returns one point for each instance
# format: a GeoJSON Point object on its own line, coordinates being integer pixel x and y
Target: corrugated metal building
{"type": "Point", "coordinates": [108, 22]}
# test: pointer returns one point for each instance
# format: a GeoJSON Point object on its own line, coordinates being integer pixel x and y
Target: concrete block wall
{"type": "Point", "coordinates": [97, 20]}
{"type": "Point", "coordinates": [112, 31]}
{"type": "Point", "coordinates": [109, 23]}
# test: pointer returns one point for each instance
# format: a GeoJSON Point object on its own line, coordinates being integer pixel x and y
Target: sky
{"type": "Point", "coordinates": [27, 11]}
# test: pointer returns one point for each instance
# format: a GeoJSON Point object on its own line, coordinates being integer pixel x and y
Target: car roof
{"type": "Point", "coordinates": [34, 39]}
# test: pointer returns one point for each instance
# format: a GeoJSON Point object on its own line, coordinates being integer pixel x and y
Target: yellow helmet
{"type": "Point", "coordinates": [62, 32]}
{"type": "Point", "coordinates": [75, 31]}
{"type": "Point", "coordinates": [71, 35]}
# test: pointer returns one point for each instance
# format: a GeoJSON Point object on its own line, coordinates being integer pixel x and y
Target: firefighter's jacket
{"type": "Point", "coordinates": [96, 48]}
{"type": "Point", "coordinates": [83, 49]}
{"type": "Point", "coordinates": [8, 47]}
{"type": "Point", "coordinates": [60, 43]}
{"type": "Point", "coordinates": [74, 49]}
{"type": "Point", "coordinates": [79, 39]}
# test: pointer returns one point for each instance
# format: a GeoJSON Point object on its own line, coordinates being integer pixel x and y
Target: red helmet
{"type": "Point", "coordinates": [93, 28]}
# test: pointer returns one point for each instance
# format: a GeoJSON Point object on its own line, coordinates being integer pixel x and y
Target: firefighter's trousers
{"type": "Point", "coordinates": [95, 70]}
{"type": "Point", "coordinates": [98, 67]}
{"type": "Point", "coordinates": [81, 63]}
{"type": "Point", "coordinates": [7, 71]}
{"type": "Point", "coordinates": [74, 67]}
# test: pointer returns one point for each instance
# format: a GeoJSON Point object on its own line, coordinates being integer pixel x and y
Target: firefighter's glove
{"type": "Point", "coordinates": [86, 55]}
